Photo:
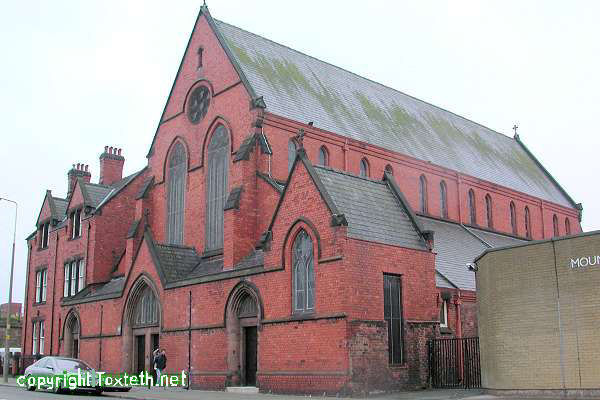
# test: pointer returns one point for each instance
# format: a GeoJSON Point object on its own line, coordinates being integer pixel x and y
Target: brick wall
{"type": "Point", "coordinates": [525, 343]}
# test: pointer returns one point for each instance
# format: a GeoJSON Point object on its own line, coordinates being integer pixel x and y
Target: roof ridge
{"type": "Point", "coordinates": [363, 77]}
{"type": "Point", "coordinates": [341, 172]}
{"type": "Point", "coordinates": [451, 222]}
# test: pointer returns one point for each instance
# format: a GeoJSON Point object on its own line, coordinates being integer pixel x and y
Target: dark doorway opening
{"type": "Point", "coordinates": [250, 347]}
{"type": "Point", "coordinates": [140, 346]}
{"type": "Point", "coordinates": [75, 350]}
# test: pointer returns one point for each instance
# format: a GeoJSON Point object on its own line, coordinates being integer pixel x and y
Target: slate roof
{"type": "Point", "coordinates": [96, 195]}
{"type": "Point", "coordinates": [177, 261]}
{"type": "Point", "coordinates": [98, 291]}
{"type": "Point", "coordinates": [60, 206]}
{"type": "Point", "coordinates": [180, 263]}
{"type": "Point", "coordinates": [302, 88]}
{"type": "Point", "coordinates": [371, 209]}
{"type": "Point", "coordinates": [456, 246]}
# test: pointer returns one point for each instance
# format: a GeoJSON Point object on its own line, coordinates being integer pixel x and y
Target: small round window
{"type": "Point", "coordinates": [198, 104]}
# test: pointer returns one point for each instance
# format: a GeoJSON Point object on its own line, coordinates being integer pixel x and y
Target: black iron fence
{"type": "Point", "coordinates": [454, 363]}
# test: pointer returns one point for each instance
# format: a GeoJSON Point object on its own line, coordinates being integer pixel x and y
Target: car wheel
{"type": "Point", "coordinates": [56, 389]}
{"type": "Point", "coordinates": [31, 388]}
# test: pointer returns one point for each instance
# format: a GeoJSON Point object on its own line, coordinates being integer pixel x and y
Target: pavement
{"type": "Point", "coordinates": [12, 391]}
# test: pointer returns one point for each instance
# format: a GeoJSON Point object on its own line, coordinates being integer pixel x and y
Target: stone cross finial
{"type": "Point", "coordinates": [515, 128]}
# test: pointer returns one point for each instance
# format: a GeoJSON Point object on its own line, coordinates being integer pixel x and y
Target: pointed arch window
{"type": "Point", "coordinates": [472, 211]}
{"type": "Point", "coordinates": [364, 168]}
{"type": "Point", "coordinates": [513, 218]}
{"type": "Point", "coordinates": [527, 223]}
{"type": "Point", "coordinates": [145, 312]}
{"type": "Point", "coordinates": [488, 211]}
{"type": "Point", "coordinates": [567, 226]}
{"type": "Point", "coordinates": [176, 194]}
{"type": "Point", "coordinates": [443, 200]}
{"type": "Point", "coordinates": [323, 156]}
{"type": "Point", "coordinates": [217, 161]}
{"type": "Point", "coordinates": [423, 194]}
{"type": "Point", "coordinates": [555, 225]}
{"type": "Point", "coordinates": [291, 155]}
{"type": "Point", "coordinates": [304, 273]}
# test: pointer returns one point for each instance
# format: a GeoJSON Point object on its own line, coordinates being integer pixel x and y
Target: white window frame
{"type": "Point", "coordinates": [41, 338]}
{"type": "Point", "coordinates": [66, 287]}
{"type": "Point", "coordinates": [73, 278]}
{"type": "Point", "coordinates": [81, 273]}
{"type": "Point", "coordinates": [35, 343]}
{"type": "Point", "coordinates": [38, 286]}
{"type": "Point", "coordinates": [44, 283]}
{"type": "Point", "coordinates": [444, 323]}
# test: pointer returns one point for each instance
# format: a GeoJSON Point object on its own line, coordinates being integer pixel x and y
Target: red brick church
{"type": "Point", "coordinates": [298, 228]}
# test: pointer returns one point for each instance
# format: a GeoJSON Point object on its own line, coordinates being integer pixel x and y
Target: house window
{"type": "Point", "coordinates": [76, 224]}
{"type": "Point", "coordinates": [44, 232]}
{"type": "Point", "coordinates": [423, 194]}
{"type": "Point", "coordinates": [392, 310]}
{"type": "Point", "coordinates": [41, 350]}
{"type": "Point", "coordinates": [74, 278]}
{"type": "Point", "coordinates": [364, 168]}
{"type": "Point", "coordinates": [527, 223]}
{"type": "Point", "coordinates": [488, 211]}
{"type": "Point", "coordinates": [146, 309]}
{"type": "Point", "coordinates": [291, 155]}
{"type": "Point", "coordinates": [443, 200]}
{"type": "Point", "coordinates": [41, 281]}
{"type": "Point", "coordinates": [304, 273]}
{"type": "Point", "coordinates": [567, 226]}
{"type": "Point", "coordinates": [472, 213]}
{"type": "Point", "coordinates": [36, 339]}
{"type": "Point", "coordinates": [176, 194]}
{"type": "Point", "coordinates": [444, 314]}
{"type": "Point", "coordinates": [216, 187]}
{"type": "Point", "coordinates": [323, 156]}
{"type": "Point", "coordinates": [555, 225]}
{"type": "Point", "coordinates": [389, 169]}
{"type": "Point", "coordinates": [513, 218]}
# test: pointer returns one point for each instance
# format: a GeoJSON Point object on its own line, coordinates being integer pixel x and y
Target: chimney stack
{"type": "Point", "coordinates": [111, 165]}
{"type": "Point", "coordinates": [79, 170]}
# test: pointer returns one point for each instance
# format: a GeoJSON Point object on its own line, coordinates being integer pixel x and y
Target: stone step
{"type": "Point", "coordinates": [242, 389]}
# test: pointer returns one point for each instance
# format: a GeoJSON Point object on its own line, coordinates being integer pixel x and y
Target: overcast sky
{"type": "Point", "coordinates": [78, 75]}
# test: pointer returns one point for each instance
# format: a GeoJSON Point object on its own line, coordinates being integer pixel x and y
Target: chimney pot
{"type": "Point", "coordinates": [86, 167]}
{"type": "Point", "coordinates": [110, 149]}
{"type": "Point", "coordinates": [119, 152]}
{"type": "Point", "coordinates": [106, 149]}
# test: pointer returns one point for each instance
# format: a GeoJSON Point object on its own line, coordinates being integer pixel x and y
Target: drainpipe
{"type": "Point", "coordinates": [458, 303]}
{"type": "Point", "coordinates": [53, 293]}
{"type": "Point", "coordinates": [543, 227]}
{"type": "Point", "coordinates": [345, 149]}
{"type": "Point", "coordinates": [458, 193]}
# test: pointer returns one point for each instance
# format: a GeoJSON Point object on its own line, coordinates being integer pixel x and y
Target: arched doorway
{"type": "Point", "coordinates": [72, 331]}
{"type": "Point", "coordinates": [243, 316]}
{"type": "Point", "coordinates": [141, 327]}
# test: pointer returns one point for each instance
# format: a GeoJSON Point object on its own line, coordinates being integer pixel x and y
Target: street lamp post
{"type": "Point", "coordinates": [12, 267]}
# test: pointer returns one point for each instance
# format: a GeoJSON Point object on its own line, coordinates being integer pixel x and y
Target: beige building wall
{"type": "Point", "coordinates": [539, 316]}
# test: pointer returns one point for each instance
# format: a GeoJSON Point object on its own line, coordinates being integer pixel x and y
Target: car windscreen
{"type": "Point", "coordinates": [71, 365]}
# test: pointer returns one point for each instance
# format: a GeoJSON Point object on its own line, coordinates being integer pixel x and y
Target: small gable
{"type": "Point", "coordinates": [47, 211]}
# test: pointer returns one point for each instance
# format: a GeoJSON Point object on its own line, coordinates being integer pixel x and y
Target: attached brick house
{"type": "Point", "coordinates": [297, 227]}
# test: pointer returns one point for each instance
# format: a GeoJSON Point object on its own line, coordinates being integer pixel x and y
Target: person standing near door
{"type": "Point", "coordinates": [160, 363]}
